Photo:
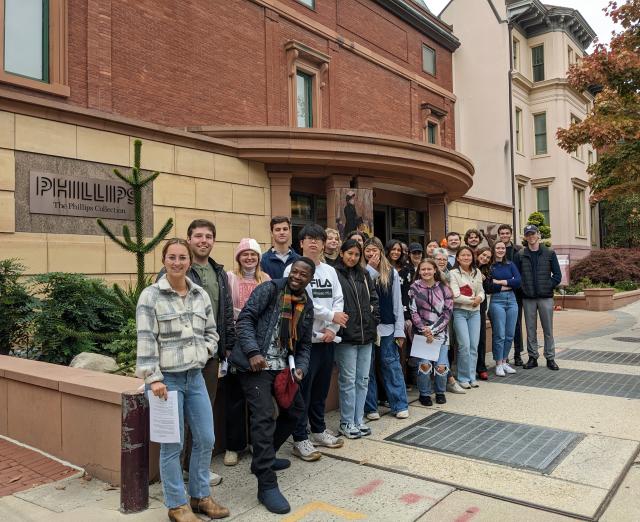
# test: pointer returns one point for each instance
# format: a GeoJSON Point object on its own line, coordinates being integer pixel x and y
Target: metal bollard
{"type": "Point", "coordinates": [134, 453]}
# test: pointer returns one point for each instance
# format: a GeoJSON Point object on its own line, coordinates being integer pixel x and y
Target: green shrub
{"type": "Point", "coordinates": [124, 347]}
{"type": "Point", "coordinates": [16, 306]}
{"type": "Point", "coordinates": [626, 285]}
{"type": "Point", "coordinates": [72, 316]}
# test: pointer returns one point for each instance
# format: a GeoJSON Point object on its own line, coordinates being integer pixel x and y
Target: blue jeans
{"type": "Point", "coordinates": [392, 377]}
{"type": "Point", "coordinates": [466, 324]}
{"type": "Point", "coordinates": [503, 312]}
{"type": "Point", "coordinates": [354, 362]}
{"type": "Point", "coordinates": [194, 403]}
{"type": "Point", "coordinates": [428, 368]}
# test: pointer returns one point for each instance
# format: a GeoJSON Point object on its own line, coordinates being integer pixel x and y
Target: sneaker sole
{"type": "Point", "coordinates": [347, 435]}
{"type": "Point", "coordinates": [331, 446]}
{"type": "Point", "coordinates": [307, 458]}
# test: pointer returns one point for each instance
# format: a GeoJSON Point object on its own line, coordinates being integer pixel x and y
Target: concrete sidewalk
{"type": "Point", "coordinates": [375, 479]}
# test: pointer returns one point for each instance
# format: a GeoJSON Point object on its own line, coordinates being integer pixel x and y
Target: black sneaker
{"type": "Point", "coordinates": [425, 400]}
{"type": "Point", "coordinates": [517, 361]}
{"type": "Point", "coordinates": [531, 363]}
{"type": "Point", "coordinates": [440, 398]}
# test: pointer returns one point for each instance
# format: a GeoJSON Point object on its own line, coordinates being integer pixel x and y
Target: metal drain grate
{"type": "Point", "coordinates": [627, 339]}
{"type": "Point", "coordinates": [625, 358]}
{"type": "Point", "coordinates": [516, 445]}
{"type": "Point", "coordinates": [582, 381]}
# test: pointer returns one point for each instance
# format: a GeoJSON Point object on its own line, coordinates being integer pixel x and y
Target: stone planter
{"type": "Point", "coordinates": [599, 299]}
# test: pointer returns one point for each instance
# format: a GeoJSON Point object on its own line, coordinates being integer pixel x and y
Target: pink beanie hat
{"type": "Point", "coordinates": [246, 243]}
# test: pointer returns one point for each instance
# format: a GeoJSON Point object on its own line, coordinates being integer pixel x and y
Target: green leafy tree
{"type": "Point", "coordinates": [613, 127]}
{"type": "Point", "coordinates": [16, 307]}
{"type": "Point", "coordinates": [128, 298]}
{"type": "Point", "coordinates": [621, 220]}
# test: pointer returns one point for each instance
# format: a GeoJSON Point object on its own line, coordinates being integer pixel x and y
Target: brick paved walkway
{"type": "Point", "coordinates": [22, 468]}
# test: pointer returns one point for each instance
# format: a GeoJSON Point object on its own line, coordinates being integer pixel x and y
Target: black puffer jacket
{"type": "Point", "coordinates": [257, 320]}
{"type": "Point", "coordinates": [360, 304]}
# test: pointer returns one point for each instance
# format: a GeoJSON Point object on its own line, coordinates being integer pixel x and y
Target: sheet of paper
{"type": "Point", "coordinates": [163, 418]}
{"type": "Point", "coordinates": [422, 349]}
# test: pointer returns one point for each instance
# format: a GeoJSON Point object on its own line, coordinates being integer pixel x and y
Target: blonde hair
{"type": "Point", "coordinates": [259, 275]}
{"type": "Point", "coordinates": [385, 269]}
{"type": "Point", "coordinates": [332, 231]}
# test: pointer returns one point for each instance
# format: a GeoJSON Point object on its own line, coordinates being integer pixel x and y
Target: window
{"type": "Point", "coordinates": [537, 61]}
{"type": "Point", "coordinates": [542, 201]}
{"type": "Point", "coordinates": [595, 226]}
{"type": "Point", "coordinates": [522, 204]}
{"type": "Point", "coordinates": [571, 57]}
{"type": "Point", "coordinates": [590, 158]}
{"type": "Point", "coordinates": [516, 54]}
{"type": "Point", "coordinates": [540, 131]}
{"type": "Point", "coordinates": [518, 129]}
{"type": "Point", "coordinates": [578, 203]}
{"type": "Point", "coordinates": [432, 133]}
{"type": "Point", "coordinates": [306, 209]}
{"type": "Point", "coordinates": [308, 73]}
{"type": "Point", "coordinates": [311, 4]}
{"type": "Point", "coordinates": [304, 100]}
{"type": "Point", "coordinates": [428, 60]}
{"type": "Point", "coordinates": [578, 152]}
{"type": "Point", "coordinates": [33, 44]}
{"type": "Point", "coordinates": [407, 225]}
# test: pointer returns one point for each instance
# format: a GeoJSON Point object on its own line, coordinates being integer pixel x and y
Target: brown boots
{"type": "Point", "coordinates": [207, 506]}
{"type": "Point", "coordinates": [183, 514]}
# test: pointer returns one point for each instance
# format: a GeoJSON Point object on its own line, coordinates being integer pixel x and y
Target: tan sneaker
{"type": "Point", "coordinates": [230, 458]}
{"type": "Point", "coordinates": [306, 451]}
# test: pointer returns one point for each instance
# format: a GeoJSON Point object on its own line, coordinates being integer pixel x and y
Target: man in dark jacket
{"type": "Point", "coordinates": [280, 255]}
{"type": "Point", "coordinates": [205, 272]}
{"type": "Point", "coordinates": [505, 234]}
{"type": "Point", "coordinates": [276, 322]}
{"type": "Point", "coordinates": [540, 273]}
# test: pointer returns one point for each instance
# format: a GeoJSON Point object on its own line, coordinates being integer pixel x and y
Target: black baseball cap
{"type": "Point", "coordinates": [416, 247]}
{"type": "Point", "coordinates": [530, 229]}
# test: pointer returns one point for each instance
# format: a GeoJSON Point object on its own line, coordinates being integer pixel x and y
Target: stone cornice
{"type": "Point", "coordinates": [422, 22]}
{"type": "Point", "coordinates": [388, 159]}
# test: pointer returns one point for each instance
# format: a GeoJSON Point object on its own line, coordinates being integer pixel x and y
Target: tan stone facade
{"type": "Point", "coordinates": [234, 193]}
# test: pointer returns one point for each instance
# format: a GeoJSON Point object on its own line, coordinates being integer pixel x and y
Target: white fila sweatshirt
{"type": "Point", "coordinates": [326, 294]}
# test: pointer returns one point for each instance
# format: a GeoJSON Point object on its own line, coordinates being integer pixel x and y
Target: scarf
{"type": "Point", "coordinates": [291, 307]}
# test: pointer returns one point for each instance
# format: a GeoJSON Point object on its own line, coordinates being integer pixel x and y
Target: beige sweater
{"type": "Point", "coordinates": [460, 278]}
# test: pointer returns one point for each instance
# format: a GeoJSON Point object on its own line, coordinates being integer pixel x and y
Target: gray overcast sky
{"type": "Point", "coordinates": [591, 10]}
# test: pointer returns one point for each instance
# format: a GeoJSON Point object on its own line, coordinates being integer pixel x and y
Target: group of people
{"type": "Point", "coordinates": [272, 328]}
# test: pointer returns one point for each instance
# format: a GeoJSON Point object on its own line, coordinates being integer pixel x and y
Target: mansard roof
{"type": "Point", "coordinates": [533, 18]}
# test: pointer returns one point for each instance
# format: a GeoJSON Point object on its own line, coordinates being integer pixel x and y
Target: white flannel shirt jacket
{"type": "Point", "coordinates": [174, 335]}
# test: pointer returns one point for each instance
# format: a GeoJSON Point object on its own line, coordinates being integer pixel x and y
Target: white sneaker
{"type": "Point", "coordinates": [404, 414]}
{"type": "Point", "coordinates": [465, 385]}
{"type": "Point", "coordinates": [350, 431]}
{"type": "Point", "coordinates": [214, 478]}
{"type": "Point", "coordinates": [374, 415]}
{"type": "Point", "coordinates": [500, 370]}
{"type": "Point", "coordinates": [507, 368]}
{"type": "Point", "coordinates": [230, 458]}
{"type": "Point", "coordinates": [454, 387]}
{"type": "Point", "coordinates": [305, 450]}
{"type": "Point", "coordinates": [326, 439]}
{"type": "Point", "coordinates": [364, 430]}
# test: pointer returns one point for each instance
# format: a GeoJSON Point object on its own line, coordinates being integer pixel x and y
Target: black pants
{"type": "Point", "coordinates": [210, 374]}
{"type": "Point", "coordinates": [481, 366]}
{"type": "Point", "coordinates": [314, 389]}
{"type": "Point", "coordinates": [235, 413]}
{"type": "Point", "coordinates": [267, 434]}
{"type": "Point", "coordinates": [517, 339]}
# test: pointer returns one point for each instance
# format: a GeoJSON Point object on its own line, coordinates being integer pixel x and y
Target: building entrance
{"type": "Point", "coordinates": [405, 224]}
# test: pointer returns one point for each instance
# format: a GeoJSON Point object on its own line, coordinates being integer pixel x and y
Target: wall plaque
{"type": "Point", "coordinates": [71, 196]}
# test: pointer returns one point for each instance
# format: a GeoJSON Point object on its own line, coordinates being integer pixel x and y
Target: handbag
{"type": "Point", "coordinates": [285, 388]}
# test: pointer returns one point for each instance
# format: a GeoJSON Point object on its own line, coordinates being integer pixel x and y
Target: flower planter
{"type": "Point", "coordinates": [597, 299]}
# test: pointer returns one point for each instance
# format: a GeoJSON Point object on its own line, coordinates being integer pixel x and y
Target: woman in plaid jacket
{"type": "Point", "coordinates": [176, 337]}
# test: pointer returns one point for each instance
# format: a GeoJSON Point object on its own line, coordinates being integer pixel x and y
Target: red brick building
{"type": "Point", "coordinates": [325, 95]}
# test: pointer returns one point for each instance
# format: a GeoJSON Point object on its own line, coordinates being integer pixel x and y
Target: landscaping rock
{"type": "Point", "coordinates": [95, 362]}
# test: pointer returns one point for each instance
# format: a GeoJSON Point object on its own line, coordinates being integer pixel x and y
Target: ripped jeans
{"type": "Point", "coordinates": [427, 369]}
